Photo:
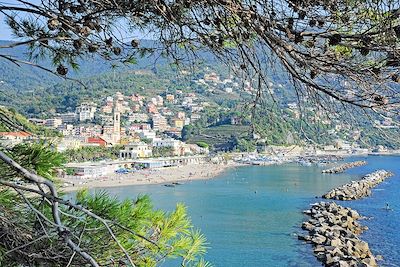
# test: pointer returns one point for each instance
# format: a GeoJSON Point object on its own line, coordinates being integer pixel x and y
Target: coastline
{"type": "Point", "coordinates": [179, 174]}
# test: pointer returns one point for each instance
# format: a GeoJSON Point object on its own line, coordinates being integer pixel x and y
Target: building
{"type": "Point", "coordinates": [88, 130]}
{"type": "Point", "coordinates": [138, 117]}
{"type": "Point", "coordinates": [107, 109]}
{"type": "Point", "coordinates": [160, 100]}
{"type": "Point", "coordinates": [196, 108]}
{"type": "Point", "coordinates": [170, 98]}
{"type": "Point", "coordinates": [68, 117]}
{"type": "Point", "coordinates": [66, 129]}
{"type": "Point", "coordinates": [86, 111]}
{"type": "Point", "coordinates": [151, 108]}
{"type": "Point", "coordinates": [229, 90]}
{"type": "Point", "coordinates": [92, 170]}
{"type": "Point", "coordinates": [96, 141]}
{"type": "Point", "coordinates": [159, 123]}
{"type": "Point", "coordinates": [180, 115]}
{"type": "Point", "coordinates": [37, 121]}
{"type": "Point", "coordinates": [13, 138]}
{"type": "Point", "coordinates": [136, 150]}
{"type": "Point", "coordinates": [140, 126]}
{"type": "Point", "coordinates": [53, 123]}
{"type": "Point", "coordinates": [68, 143]}
{"type": "Point", "coordinates": [119, 96]}
{"type": "Point", "coordinates": [106, 119]}
{"type": "Point", "coordinates": [146, 134]}
{"type": "Point", "coordinates": [137, 98]}
{"type": "Point", "coordinates": [236, 120]}
{"type": "Point", "coordinates": [176, 145]}
{"type": "Point", "coordinates": [194, 117]}
{"type": "Point", "coordinates": [211, 77]}
{"type": "Point", "coordinates": [117, 128]}
{"type": "Point", "coordinates": [178, 123]}
{"type": "Point", "coordinates": [341, 144]}
{"type": "Point", "coordinates": [112, 133]}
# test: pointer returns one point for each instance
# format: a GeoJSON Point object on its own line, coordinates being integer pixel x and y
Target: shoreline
{"type": "Point", "coordinates": [179, 174]}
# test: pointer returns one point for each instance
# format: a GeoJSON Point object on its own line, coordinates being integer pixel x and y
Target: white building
{"type": "Point", "coordinates": [53, 123]}
{"type": "Point", "coordinates": [136, 150]}
{"type": "Point", "coordinates": [146, 134]}
{"type": "Point", "coordinates": [66, 129]}
{"type": "Point", "coordinates": [176, 145]}
{"type": "Point", "coordinates": [159, 123]}
{"type": "Point", "coordinates": [86, 111]}
{"type": "Point", "coordinates": [160, 100]}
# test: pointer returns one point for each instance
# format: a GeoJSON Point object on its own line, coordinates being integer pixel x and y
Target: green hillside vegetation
{"type": "Point", "coordinates": [18, 119]}
{"type": "Point", "coordinates": [271, 122]}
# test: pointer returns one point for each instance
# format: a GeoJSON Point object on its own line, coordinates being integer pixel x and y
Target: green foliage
{"type": "Point", "coordinates": [244, 145]}
{"type": "Point", "coordinates": [147, 235]}
{"type": "Point", "coordinates": [14, 118]}
{"type": "Point", "coordinates": [343, 51]}
{"type": "Point", "coordinates": [92, 153]}
{"type": "Point", "coordinates": [172, 231]}
{"type": "Point", "coordinates": [37, 157]}
{"type": "Point", "coordinates": [163, 151]}
{"type": "Point", "coordinates": [202, 144]}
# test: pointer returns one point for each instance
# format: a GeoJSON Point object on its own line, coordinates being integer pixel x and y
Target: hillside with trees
{"type": "Point", "coordinates": [334, 54]}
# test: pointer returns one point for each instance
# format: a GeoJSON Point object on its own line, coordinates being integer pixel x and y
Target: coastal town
{"type": "Point", "coordinates": [145, 133]}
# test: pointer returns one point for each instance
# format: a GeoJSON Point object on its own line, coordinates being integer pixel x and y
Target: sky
{"type": "Point", "coordinates": [6, 34]}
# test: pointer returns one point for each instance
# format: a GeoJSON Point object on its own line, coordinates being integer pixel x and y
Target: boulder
{"type": "Point", "coordinates": [304, 237]}
{"type": "Point", "coordinates": [343, 263]}
{"type": "Point", "coordinates": [369, 262]}
{"type": "Point", "coordinates": [361, 246]}
{"type": "Point", "coordinates": [335, 242]}
{"type": "Point", "coordinates": [307, 226]}
{"type": "Point", "coordinates": [330, 259]}
{"type": "Point", "coordinates": [318, 239]}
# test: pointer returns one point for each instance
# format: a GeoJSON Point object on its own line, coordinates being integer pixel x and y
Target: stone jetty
{"type": "Point", "coordinates": [358, 189]}
{"type": "Point", "coordinates": [345, 166]}
{"type": "Point", "coordinates": [333, 231]}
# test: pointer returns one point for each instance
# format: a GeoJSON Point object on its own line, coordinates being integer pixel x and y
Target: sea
{"type": "Point", "coordinates": [251, 215]}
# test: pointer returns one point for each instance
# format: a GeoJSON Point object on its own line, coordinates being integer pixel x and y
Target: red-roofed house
{"type": "Point", "coordinates": [96, 141]}
{"type": "Point", "coordinates": [13, 138]}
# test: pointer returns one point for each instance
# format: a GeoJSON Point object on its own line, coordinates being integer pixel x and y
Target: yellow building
{"type": "Point", "coordinates": [178, 123]}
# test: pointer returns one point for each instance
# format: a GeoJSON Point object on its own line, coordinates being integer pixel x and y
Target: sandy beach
{"type": "Point", "coordinates": [179, 174]}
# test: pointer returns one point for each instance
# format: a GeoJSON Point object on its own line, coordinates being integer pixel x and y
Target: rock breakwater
{"type": "Point", "coordinates": [333, 231]}
{"type": "Point", "coordinates": [358, 189]}
{"type": "Point", "coordinates": [343, 167]}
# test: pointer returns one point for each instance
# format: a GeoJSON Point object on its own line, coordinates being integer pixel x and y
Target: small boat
{"type": "Point", "coordinates": [169, 185]}
{"type": "Point", "coordinates": [176, 183]}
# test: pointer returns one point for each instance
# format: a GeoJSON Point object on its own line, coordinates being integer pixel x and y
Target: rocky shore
{"type": "Point", "coordinates": [345, 166]}
{"type": "Point", "coordinates": [333, 231]}
{"type": "Point", "coordinates": [358, 189]}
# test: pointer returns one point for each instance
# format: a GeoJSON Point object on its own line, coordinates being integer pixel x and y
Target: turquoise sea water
{"type": "Point", "coordinates": [250, 214]}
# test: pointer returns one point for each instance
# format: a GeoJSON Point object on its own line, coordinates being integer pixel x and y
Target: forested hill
{"type": "Point", "coordinates": [26, 78]}
{"type": "Point", "coordinates": [36, 93]}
